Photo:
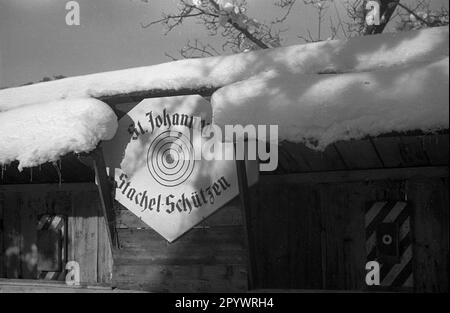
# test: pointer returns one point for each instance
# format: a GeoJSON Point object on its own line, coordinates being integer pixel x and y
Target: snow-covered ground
{"type": "Point", "coordinates": [317, 93]}
{"type": "Point", "coordinates": [39, 133]}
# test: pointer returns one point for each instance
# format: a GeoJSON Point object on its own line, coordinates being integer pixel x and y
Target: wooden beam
{"type": "Point", "coordinates": [138, 96]}
{"type": "Point", "coordinates": [358, 175]}
{"type": "Point", "coordinates": [246, 215]}
{"type": "Point", "coordinates": [42, 286]}
{"type": "Point", "coordinates": [105, 191]}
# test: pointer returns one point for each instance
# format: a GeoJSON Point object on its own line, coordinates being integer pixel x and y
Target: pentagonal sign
{"type": "Point", "coordinates": [161, 175]}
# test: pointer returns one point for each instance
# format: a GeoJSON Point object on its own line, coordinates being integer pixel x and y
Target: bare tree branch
{"type": "Point", "coordinates": [284, 4]}
{"type": "Point", "coordinates": [209, 14]}
{"type": "Point", "coordinates": [387, 8]}
{"type": "Point", "coordinates": [415, 15]}
{"type": "Point", "coordinates": [228, 19]}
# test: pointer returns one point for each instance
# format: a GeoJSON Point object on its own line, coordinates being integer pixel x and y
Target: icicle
{"type": "Point", "coordinates": [60, 172]}
{"type": "Point", "coordinates": [55, 164]}
{"type": "Point", "coordinates": [59, 177]}
{"type": "Point", "coordinates": [406, 191]}
{"type": "Point", "coordinates": [31, 174]}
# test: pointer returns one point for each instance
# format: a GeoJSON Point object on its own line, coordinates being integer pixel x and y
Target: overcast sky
{"type": "Point", "coordinates": [36, 42]}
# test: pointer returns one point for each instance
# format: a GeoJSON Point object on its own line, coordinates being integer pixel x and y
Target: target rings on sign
{"type": "Point", "coordinates": [170, 158]}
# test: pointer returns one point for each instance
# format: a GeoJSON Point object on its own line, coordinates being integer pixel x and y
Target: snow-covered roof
{"type": "Point", "coordinates": [39, 133]}
{"type": "Point", "coordinates": [355, 55]}
{"type": "Point", "coordinates": [321, 109]}
{"type": "Point", "coordinates": [320, 92]}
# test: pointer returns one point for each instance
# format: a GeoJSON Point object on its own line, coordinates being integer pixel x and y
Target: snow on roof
{"type": "Point", "coordinates": [354, 55]}
{"type": "Point", "coordinates": [321, 109]}
{"type": "Point", "coordinates": [388, 82]}
{"type": "Point", "coordinates": [39, 133]}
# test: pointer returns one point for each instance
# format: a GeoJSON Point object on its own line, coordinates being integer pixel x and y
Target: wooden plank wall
{"type": "Point", "coordinates": [312, 236]}
{"type": "Point", "coordinates": [209, 258]}
{"type": "Point", "coordinates": [389, 151]}
{"type": "Point", "coordinates": [88, 243]}
{"type": "Point", "coordinates": [307, 236]}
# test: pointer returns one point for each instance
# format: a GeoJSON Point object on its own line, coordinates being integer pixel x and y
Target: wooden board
{"type": "Point", "coordinates": [359, 175]}
{"type": "Point", "coordinates": [314, 160]}
{"type": "Point", "coordinates": [209, 258]}
{"type": "Point", "coordinates": [104, 255]}
{"type": "Point", "coordinates": [182, 278]}
{"type": "Point", "coordinates": [33, 286]}
{"type": "Point", "coordinates": [387, 151]}
{"type": "Point", "coordinates": [230, 215]}
{"type": "Point", "coordinates": [85, 237]}
{"type": "Point", "coordinates": [218, 245]}
{"type": "Point", "coordinates": [431, 232]}
{"type": "Point", "coordinates": [412, 151]}
{"type": "Point", "coordinates": [11, 248]}
{"type": "Point", "coordinates": [342, 228]}
{"type": "Point", "coordinates": [286, 230]}
{"type": "Point", "coordinates": [437, 148]}
{"type": "Point", "coordinates": [359, 154]}
{"type": "Point", "coordinates": [290, 160]}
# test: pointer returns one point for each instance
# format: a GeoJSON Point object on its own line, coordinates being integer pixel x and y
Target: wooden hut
{"type": "Point", "coordinates": [306, 226]}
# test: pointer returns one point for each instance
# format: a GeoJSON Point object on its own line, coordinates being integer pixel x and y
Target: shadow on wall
{"type": "Point", "coordinates": [28, 249]}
